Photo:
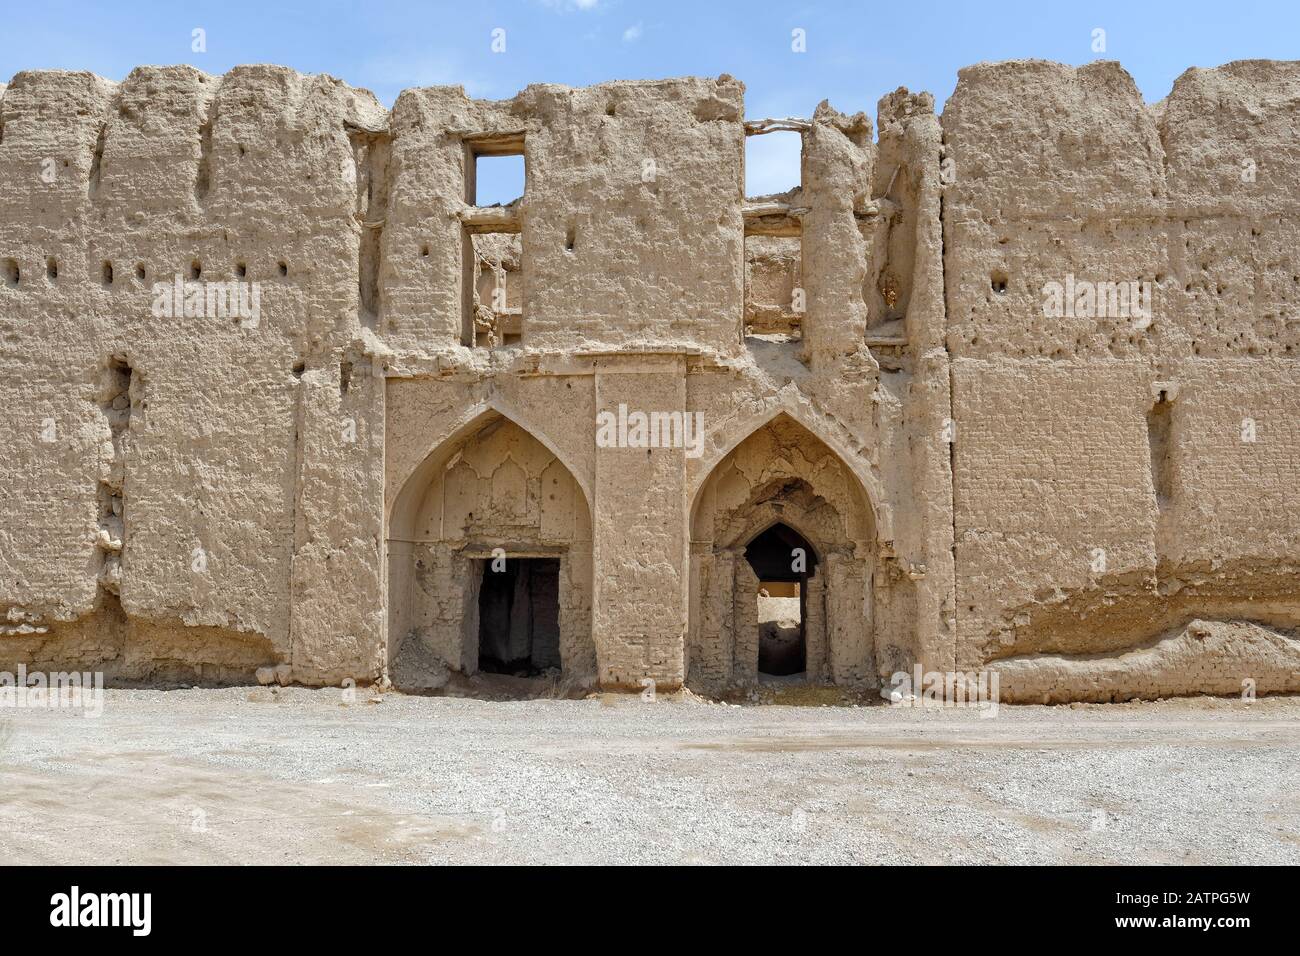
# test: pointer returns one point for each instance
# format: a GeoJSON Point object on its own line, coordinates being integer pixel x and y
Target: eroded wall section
{"type": "Point", "coordinates": [167, 511]}
{"type": "Point", "coordinates": [1121, 298]}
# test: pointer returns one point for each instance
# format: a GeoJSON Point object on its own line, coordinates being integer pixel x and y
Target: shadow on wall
{"type": "Point", "coordinates": [130, 651]}
{"type": "Point", "coordinates": [1224, 658]}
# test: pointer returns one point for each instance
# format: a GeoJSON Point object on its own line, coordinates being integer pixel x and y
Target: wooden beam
{"type": "Point", "coordinates": [789, 124]}
{"type": "Point", "coordinates": [497, 143]}
{"type": "Point", "coordinates": [773, 219]}
{"type": "Point", "coordinates": [492, 219]}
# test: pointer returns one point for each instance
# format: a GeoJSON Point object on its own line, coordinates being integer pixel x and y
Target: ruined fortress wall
{"type": "Point", "coordinates": [106, 190]}
{"type": "Point", "coordinates": [1088, 517]}
{"type": "Point", "coordinates": [196, 496]}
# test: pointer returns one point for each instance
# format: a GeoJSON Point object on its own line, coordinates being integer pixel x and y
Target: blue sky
{"type": "Point", "coordinates": [855, 52]}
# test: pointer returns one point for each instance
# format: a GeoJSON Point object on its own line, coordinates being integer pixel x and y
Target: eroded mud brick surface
{"type": "Point", "coordinates": [1014, 387]}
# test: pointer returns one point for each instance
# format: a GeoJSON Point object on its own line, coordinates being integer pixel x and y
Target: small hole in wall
{"type": "Point", "coordinates": [282, 267]}
{"type": "Point", "coordinates": [11, 272]}
{"type": "Point", "coordinates": [140, 271]}
{"type": "Point", "coordinates": [51, 268]}
{"type": "Point", "coordinates": [106, 273]}
{"type": "Point", "coordinates": [998, 282]}
{"type": "Point", "coordinates": [570, 235]}
{"type": "Point", "coordinates": [424, 251]}
{"type": "Point", "coordinates": [242, 151]}
{"type": "Point", "coordinates": [345, 377]}
{"type": "Point", "coordinates": [610, 110]}
{"type": "Point", "coordinates": [196, 269]}
{"type": "Point", "coordinates": [299, 368]}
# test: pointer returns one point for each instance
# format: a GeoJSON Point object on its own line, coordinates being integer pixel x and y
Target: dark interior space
{"type": "Point", "coordinates": [783, 560]}
{"type": "Point", "coordinates": [519, 617]}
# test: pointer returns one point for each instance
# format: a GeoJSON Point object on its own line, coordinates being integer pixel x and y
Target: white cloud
{"type": "Point", "coordinates": [632, 33]}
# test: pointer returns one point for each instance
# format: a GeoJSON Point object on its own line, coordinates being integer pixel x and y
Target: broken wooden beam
{"type": "Point", "coordinates": [770, 218]}
{"type": "Point", "coordinates": [492, 219]}
{"type": "Point", "coordinates": [788, 124]}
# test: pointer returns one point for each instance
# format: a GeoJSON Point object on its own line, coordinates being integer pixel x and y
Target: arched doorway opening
{"type": "Point", "coordinates": [783, 561]}
{"type": "Point", "coordinates": [780, 491]}
{"type": "Point", "coordinates": [489, 561]}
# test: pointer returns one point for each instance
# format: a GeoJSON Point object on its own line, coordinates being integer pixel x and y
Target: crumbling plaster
{"type": "Point", "coordinates": [258, 493]}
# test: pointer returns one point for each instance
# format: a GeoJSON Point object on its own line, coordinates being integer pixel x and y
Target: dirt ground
{"type": "Point", "coordinates": [256, 775]}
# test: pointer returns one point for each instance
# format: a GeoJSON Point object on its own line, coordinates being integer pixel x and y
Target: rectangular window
{"type": "Point", "coordinates": [498, 180]}
{"type": "Point", "coordinates": [773, 162]}
{"type": "Point", "coordinates": [774, 293]}
{"type": "Point", "coordinates": [495, 181]}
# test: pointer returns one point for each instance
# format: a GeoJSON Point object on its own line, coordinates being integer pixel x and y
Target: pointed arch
{"type": "Point", "coordinates": [778, 470]}
{"type": "Point", "coordinates": [799, 527]}
{"type": "Point", "coordinates": [489, 484]}
{"type": "Point", "coordinates": [730, 434]}
{"type": "Point", "coordinates": [402, 509]}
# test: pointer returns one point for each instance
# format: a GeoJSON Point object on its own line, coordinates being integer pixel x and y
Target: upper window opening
{"type": "Point", "coordinates": [495, 176]}
{"type": "Point", "coordinates": [498, 180]}
{"type": "Point", "coordinates": [773, 162]}
{"type": "Point", "coordinates": [774, 295]}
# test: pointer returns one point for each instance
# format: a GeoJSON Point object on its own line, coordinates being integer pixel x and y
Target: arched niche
{"type": "Point", "coordinates": [781, 474]}
{"type": "Point", "coordinates": [489, 558]}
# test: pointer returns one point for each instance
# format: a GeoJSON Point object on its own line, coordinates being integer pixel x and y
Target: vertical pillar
{"type": "Point", "coordinates": [639, 541]}
{"type": "Point", "coordinates": [576, 650]}
{"type": "Point", "coordinates": [337, 619]}
{"type": "Point", "coordinates": [814, 627]}
{"type": "Point", "coordinates": [744, 665]}
{"type": "Point", "coordinates": [458, 617]}
{"type": "Point", "coordinates": [847, 628]}
{"type": "Point", "coordinates": [837, 162]}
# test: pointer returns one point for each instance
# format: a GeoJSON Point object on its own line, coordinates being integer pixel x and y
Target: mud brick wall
{"type": "Point", "coordinates": [1101, 502]}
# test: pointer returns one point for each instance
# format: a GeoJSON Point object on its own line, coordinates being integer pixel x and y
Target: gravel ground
{"type": "Point", "coordinates": [252, 775]}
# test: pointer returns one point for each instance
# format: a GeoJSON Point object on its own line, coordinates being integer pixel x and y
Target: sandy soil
{"type": "Point", "coordinates": [254, 775]}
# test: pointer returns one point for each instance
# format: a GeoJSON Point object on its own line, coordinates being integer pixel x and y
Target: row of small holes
{"type": "Point", "coordinates": [196, 270]}
{"type": "Point", "coordinates": [12, 274]}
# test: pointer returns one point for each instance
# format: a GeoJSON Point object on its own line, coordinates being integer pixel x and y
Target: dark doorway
{"type": "Point", "coordinates": [519, 616]}
{"type": "Point", "coordinates": [783, 560]}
